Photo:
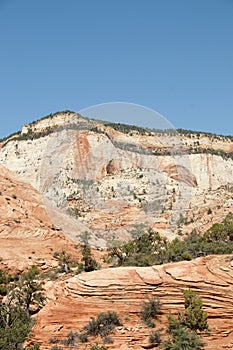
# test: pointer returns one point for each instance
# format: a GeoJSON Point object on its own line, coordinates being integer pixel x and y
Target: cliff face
{"type": "Point", "coordinates": [109, 180]}
{"type": "Point", "coordinates": [76, 174]}
{"type": "Point", "coordinates": [123, 290]}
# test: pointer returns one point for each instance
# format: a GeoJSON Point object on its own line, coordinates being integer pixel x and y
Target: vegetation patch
{"type": "Point", "coordinates": [24, 297]}
{"type": "Point", "coordinates": [152, 249]}
{"type": "Point", "coordinates": [103, 325]}
{"type": "Point", "coordinates": [150, 310]}
{"type": "Point", "coordinates": [182, 330]}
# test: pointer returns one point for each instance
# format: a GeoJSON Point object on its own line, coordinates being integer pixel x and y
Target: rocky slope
{"type": "Point", "coordinates": [76, 300]}
{"type": "Point", "coordinates": [99, 177]}
{"type": "Point", "coordinates": [110, 178]}
{"type": "Point", "coordinates": [27, 235]}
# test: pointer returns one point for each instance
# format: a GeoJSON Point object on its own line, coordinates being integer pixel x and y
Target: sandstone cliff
{"type": "Point", "coordinates": [94, 176]}
{"type": "Point", "coordinates": [123, 290]}
{"type": "Point", "coordinates": [110, 180]}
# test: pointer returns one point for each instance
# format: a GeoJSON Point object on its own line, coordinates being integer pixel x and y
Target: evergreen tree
{"type": "Point", "coordinates": [194, 318]}
{"type": "Point", "coordinates": [28, 292]}
{"type": "Point", "coordinates": [182, 330]}
{"type": "Point", "coordinates": [88, 261]}
{"type": "Point", "coordinates": [24, 298]}
{"type": "Point", "coordinates": [183, 339]}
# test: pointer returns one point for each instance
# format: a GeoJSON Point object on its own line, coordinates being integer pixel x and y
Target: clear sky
{"type": "Point", "coordinates": [174, 56]}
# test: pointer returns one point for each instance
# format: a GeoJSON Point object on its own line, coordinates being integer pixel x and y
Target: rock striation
{"type": "Point", "coordinates": [65, 174]}
{"type": "Point", "coordinates": [108, 179]}
{"type": "Point", "coordinates": [123, 290]}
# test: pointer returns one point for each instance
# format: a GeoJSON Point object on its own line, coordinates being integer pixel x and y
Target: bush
{"type": "Point", "coordinates": [15, 325]}
{"type": "Point", "coordinates": [152, 249]}
{"type": "Point", "coordinates": [97, 347]}
{"type": "Point", "coordinates": [56, 347]}
{"type": "Point", "coordinates": [194, 318]}
{"type": "Point", "coordinates": [183, 339]}
{"type": "Point", "coordinates": [4, 281]}
{"type": "Point", "coordinates": [83, 337]}
{"type": "Point", "coordinates": [92, 328]}
{"type": "Point", "coordinates": [89, 263]}
{"type": "Point", "coordinates": [25, 297]}
{"type": "Point", "coordinates": [64, 259]}
{"type": "Point", "coordinates": [150, 310]}
{"type": "Point", "coordinates": [53, 340]}
{"type": "Point", "coordinates": [182, 330]}
{"type": "Point", "coordinates": [147, 249]}
{"type": "Point", "coordinates": [34, 347]}
{"type": "Point", "coordinates": [108, 340]}
{"type": "Point", "coordinates": [103, 325]}
{"type": "Point", "coordinates": [71, 339]}
{"type": "Point", "coordinates": [155, 338]}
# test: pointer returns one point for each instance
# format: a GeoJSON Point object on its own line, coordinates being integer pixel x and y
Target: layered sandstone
{"type": "Point", "coordinates": [76, 300]}
{"type": "Point", "coordinates": [111, 182]}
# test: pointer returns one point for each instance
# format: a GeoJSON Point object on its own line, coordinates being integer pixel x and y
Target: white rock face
{"type": "Point", "coordinates": [96, 176]}
{"type": "Point", "coordinates": [211, 171]}
{"type": "Point", "coordinates": [25, 157]}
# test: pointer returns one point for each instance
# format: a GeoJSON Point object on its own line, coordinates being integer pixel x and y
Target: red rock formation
{"type": "Point", "coordinates": [27, 235]}
{"type": "Point", "coordinates": [124, 289]}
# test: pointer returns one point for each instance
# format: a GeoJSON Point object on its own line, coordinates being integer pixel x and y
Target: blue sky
{"type": "Point", "coordinates": [174, 56]}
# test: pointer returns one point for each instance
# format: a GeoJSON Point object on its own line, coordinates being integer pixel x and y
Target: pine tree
{"type": "Point", "coordinates": [182, 330]}
{"type": "Point", "coordinates": [194, 317]}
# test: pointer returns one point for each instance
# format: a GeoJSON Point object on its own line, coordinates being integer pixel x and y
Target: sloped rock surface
{"type": "Point", "coordinates": [124, 289]}
{"type": "Point", "coordinates": [27, 234]}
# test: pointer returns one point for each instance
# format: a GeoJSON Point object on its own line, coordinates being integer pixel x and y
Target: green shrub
{"type": "Point", "coordinates": [146, 250]}
{"type": "Point", "coordinates": [5, 279]}
{"type": "Point", "coordinates": [64, 259]}
{"type": "Point", "coordinates": [34, 347]}
{"type": "Point", "coordinates": [89, 263]}
{"type": "Point", "coordinates": [70, 339]}
{"type": "Point", "coordinates": [150, 310]}
{"type": "Point", "coordinates": [15, 325]}
{"type": "Point", "coordinates": [149, 248]}
{"type": "Point", "coordinates": [92, 327]}
{"type": "Point", "coordinates": [97, 347]}
{"type": "Point", "coordinates": [194, 317]}
{"type": "Point", "coordinates": [183, 339]}
{"type": "Point", "coordinates": [107, 340]}
{"type": "Point", "coordinates": [103, 325]}
{"type": "Point", "coordinates": [155, 337]}
{"type": "Point", "coordinates": [83, 337]}
{"type": "Point", "coordinates": [15, 315]}
{"type": "Point", "coordinates": [182, 330]}
{"type": "Point", "coordinates": [56, 347]}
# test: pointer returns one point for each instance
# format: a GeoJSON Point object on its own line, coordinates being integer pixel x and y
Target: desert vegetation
{"type": "Point", "coordinates": [183, 331]}
{"type": "Point", "coordinates": [151, 249]}
{"type": "Point", "coordinates": [23, 297]}
{"type": "Point", "coordinates": [87, 262]}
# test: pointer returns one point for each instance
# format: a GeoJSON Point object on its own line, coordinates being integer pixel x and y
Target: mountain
{"type": "Point", "coordinates": [109, 178]}
{"type": "Point", "coordinates": [66, 175]}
